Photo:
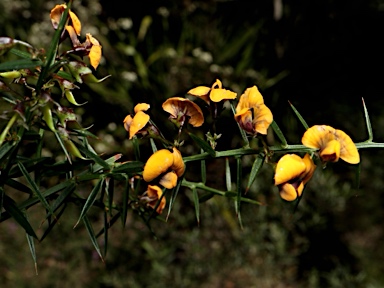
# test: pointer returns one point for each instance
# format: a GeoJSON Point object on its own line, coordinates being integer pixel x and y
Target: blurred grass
{"type": "Point", "coordinates": [316, 55]}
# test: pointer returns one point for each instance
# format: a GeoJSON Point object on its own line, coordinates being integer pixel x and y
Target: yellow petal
{"type": "Point", "coordinates": [348, 150]}
{"type": "Point", "coordinates": [139, 121]}
{"type": "Point", "coordinates": [169, 180]}
{"type": "Point", "coordinates": [289, 193]}
{"type": "Point", "coordinates": [177, 106]}
{"type": "Point", "coordinates": [157, 164]}
{"type": "Point", "coordinates": [178, 164]}
{"type": "Point", "coordinates": [218, 95]}
{"type": "Point", "coordinates": [95, 51]}
{"type": "Point", "coordinates": [331, 151]}
{"type": "Point", "coordinates": [75, 22]}
{"type": "Point", "coordinates": [318, 136]}
{"type": "Point", "coordinates": [310, 168]}
{"type": "Point", "coordinates": [141, 107]}
{"type": "Point", "coordinates": [253, 96]}
{"type": "Point", "coordinates": [72, 34]}
{"type": "Point", "coordinates": [199, 91]}
{"type": "Point", "coordinates": [217, 84]}
{"type": "Point", "coordinates": [154, 191]}
{"type": "Point", "coordinates": [56, 13]}
{"type": "Point", "coordinates": [262, 118]}
{"type": "Point", "coordinates": [289, 167]}
{"type": "Point", "coordinates": [244, 118]}
{"type": "Point", "coordinates": [127, 122]}
{"type": "Point", "coordinates": [95, 56]}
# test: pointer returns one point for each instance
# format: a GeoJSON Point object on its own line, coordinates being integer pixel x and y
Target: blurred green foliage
{"type": "Point", "coordinates": [323, 56]}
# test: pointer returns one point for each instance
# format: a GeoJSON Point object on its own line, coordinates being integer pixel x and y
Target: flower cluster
{"type": "Point", "coordinates": [293, 172]}
{"type": "Point", "coordinates": [91, 47]}
{"type": "Point", "coordinates": [165, 167]}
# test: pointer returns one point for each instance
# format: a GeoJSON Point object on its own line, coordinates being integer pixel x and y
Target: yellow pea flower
{"type": "Point", "coordinates": [216, 93]}
{"type": "Point", "coordinates": [73, 26]}
{"type": "Point", "coordinates": [292, 173]}
{"type": "Point", "coordinates": [252, 114]}
{"type": "Point", "coordinates": [166, 165]}
{"type": "Point", "coordinates": [94, 49]}
{"type": "Point", "coordinates": [152, 195]}
{"type": "Point", "coordinates": [137, 123]}
{"type": "Point", "coordinates": [183, 110]}
{"type": "Point", "coordinates": [332, 144]}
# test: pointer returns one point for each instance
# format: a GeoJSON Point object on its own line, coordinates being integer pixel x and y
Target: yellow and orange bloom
{"type": "Point", "coordinates": [152, 197]}
{"type": "Point", "coordinates": [216, 93]}
{"type": "Point", "coordinates": [332, 144]}
{"type": "Point", "coordinates": [91, 47]}
{"type": "Point", "coordinates": [252, 114]}
{"type": "Point", "coordinates": [165, 165]}
{"type": "Point", "coordinates": [73, 25]}
{"type": "Point", "coordinates": [292, 173]}
{"type": "Point", "coordinates": [94, 50]}
{"type": "Point", "coordinates": [136, 124]}
{"type": "Point", "coordinates": [182, 110]}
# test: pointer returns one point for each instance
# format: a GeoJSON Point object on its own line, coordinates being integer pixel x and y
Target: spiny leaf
{"type": "Point", "coordinates": [172, 199]}
{"type": "Point", "coordinates": [18, 215]}
{"type": "Point", "coordinates": [92, 235]}
{"type": "Point", "coordinates": [239, 194]}
{"type": "Point", "coordinates": [20, 64]}
{"type": "Point", "coordinates": [203, 170]}
{"type": "Point", "coordinates": [91, 199]}
{"type": "Point", "coordinates": [279, 133]}
{"type": "Point", "coordinates": [31, 245]}
{"type": "Point", "coordinates": [53, 222]}
{"type": "Point", "coordinates": [299, 116]}
{"type": "Point", "coordinates": [228, 179]}
{"type": "Point", "coordinates": [203, 145]}
{"type": "Point", "coordinates": [35, 188]}
{"type": "Point", "coordinates": [368, 122]}
{"type": "Point", "coordinates": [124, 209]}
{"type": "Point", "coordinates": [93, 156]}
{"type": "Point", "coordinates": [255, 169]}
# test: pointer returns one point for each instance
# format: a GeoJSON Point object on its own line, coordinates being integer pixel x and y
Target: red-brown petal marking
{"type": "Point", "coordinates": [177, 106]}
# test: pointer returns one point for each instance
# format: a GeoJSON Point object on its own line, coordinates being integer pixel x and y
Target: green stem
{"type": "Point", "coordinates": [298, 148]}
{"type": "Point", "coordinates": [199, 185]}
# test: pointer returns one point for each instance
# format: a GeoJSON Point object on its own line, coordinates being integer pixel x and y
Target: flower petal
{"type": "Point", "coordinates": [262, 119]}
{"type": "Point", "coordinates": [141, 107]}
{"type": "Point", "coordinates": [220, 94]}
{"type": "Point", "coordinates": [244, 118]}
{"type": "Point", "coordinates": [331, 151]}
{"type": "Point", "coordinates": [139, 121]}
{"type": "Point", "coordinates": [75, 22]}
{"type": "Point", "coordinates": [169, 180]}
{"type": "Point", "coordinates": [318, 136]}
{"type": "Point", "coordinates": [289, 167]}
{"type": "Point", "coordinates": [56, 13]}
{"type": "Point", "coordinates": [348, 150]}
{"type": "Point", "coordinates": [127, 122]}
{"type": "Point", "coordinates": [158, 163]}
{"type": "Point", "coordinates": [154, 191]}
{"type": "Point", "coordinates": [178, 164]}
{"type": "Point", "coordinates": [310, 168]}
{"type": "Point", "coordinates": [289, 193]}
{"type": "Point", "coordinates": [177, 106]}
{"type": "Point", "coordinates": [200, 91]}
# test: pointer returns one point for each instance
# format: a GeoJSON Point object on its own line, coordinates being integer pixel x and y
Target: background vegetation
{"type": "Point", "coordinates": [322, 56]}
